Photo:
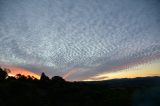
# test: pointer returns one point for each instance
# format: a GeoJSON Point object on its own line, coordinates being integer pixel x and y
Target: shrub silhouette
{"type": "Point", "coordinates": [11, 78]}
{"type": "Point", "coordinates": [31, 78]}
{"type": "Point", "coordinates": [58, 79]}
{"type": "Point", "coordinates": [21, 77]}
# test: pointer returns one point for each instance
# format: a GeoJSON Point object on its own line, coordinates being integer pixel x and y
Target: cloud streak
{"type": "Point", "coordinates": [69, 73]}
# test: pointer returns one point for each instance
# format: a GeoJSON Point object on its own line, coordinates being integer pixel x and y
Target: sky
{"type": "Point", "coordinates": [81, 39]}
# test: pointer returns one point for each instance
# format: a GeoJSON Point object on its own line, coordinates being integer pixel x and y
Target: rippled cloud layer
{"type": "Point", "coordinates": [87, 37]}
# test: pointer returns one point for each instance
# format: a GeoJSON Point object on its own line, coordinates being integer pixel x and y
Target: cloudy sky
{"type": "Point", "coordinates": [79, 39]}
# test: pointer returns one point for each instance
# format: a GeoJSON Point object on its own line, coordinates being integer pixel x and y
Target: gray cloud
{"type": "Point", "coordinates": [58, 35]}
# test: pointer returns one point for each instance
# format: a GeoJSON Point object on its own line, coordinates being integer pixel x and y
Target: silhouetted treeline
{"type": "Point", "coordinates": [28, 91]}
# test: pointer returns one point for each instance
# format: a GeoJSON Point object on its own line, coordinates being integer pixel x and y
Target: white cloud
{"type": "Point", "coordinates": [63, 35]}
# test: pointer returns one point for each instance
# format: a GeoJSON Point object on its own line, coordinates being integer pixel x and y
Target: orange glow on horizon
{"type": "Point", "coordinates": [18, 70]}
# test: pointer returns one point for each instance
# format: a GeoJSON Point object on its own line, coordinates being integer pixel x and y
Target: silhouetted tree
{"type": "Point", "coordinates": [44, 77]}
{"type": "Point", "coordinates": [34, 78]}
{"type": "Point", "coordinates": [31, 78]}
{"type": "Point", "coordinates": [21, 77]}
{"type": "Point", "coordinates": [58, 79]}
{"type": "Point", "coordinates": [3, 73]}
{"type": "Point", "coordinates": [11, 78]}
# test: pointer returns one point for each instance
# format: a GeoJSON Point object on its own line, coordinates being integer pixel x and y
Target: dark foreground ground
{"type": "Point", "coordinates": [120, 92]}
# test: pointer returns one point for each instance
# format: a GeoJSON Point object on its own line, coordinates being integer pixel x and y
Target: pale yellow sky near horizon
{"type": "Point", "coordinates": [147, 69]}
{"type": "Point", "coordinates": [151, 68]}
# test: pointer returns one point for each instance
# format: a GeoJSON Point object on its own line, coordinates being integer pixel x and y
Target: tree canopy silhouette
{"type": "Point", "coordinates": [58, 79]}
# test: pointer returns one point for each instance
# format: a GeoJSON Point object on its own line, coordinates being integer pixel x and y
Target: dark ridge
{"type": "Point", "coordinates": [28, 91]}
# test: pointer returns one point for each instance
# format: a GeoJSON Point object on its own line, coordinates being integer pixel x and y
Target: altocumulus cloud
{"type": "Point", "coordinates": [92, 36]}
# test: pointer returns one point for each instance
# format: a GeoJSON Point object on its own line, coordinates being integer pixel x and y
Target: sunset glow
{"type": "Point", "coordinates": [18, 70]}
{"type": "Point", "coordinates": [144, 70]}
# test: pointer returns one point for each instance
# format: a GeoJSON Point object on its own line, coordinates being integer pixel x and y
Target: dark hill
{"type": "Point", "coordinates": [27, 91]}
